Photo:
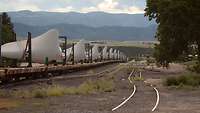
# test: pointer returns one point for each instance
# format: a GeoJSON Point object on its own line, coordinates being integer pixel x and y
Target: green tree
{"type": "Point", "coordinates": [178, 27]}
{"type": "Point", "coordinates": [7, 35]}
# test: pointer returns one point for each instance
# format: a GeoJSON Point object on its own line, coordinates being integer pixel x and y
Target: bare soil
{"type": "Point", "coordinates": [171, 100]}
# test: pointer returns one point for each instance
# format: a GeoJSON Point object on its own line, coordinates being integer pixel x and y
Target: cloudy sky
{"type": "Point", "coordinates": [112, 6]}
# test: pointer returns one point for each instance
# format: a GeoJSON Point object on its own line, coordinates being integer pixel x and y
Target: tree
{"type": "Point", "coordinates": [8, 35]}
{"type": "Point", "coordinates": [178, 27]}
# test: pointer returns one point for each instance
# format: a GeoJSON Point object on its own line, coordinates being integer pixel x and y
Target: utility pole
{"type": "Point", "coordinates": [0, 38]}
{"type": "Point", "coordinates": [65, 49]}
{"type": "Point", "coordinates": [109, 55]}
{"type": "Point", "coordinates": [73, 59]}
{"type": "Point", "coordinates": [29, 50]}
{"type": "Point", "coordinates": [101, 56]}
{"type": "Point", "coordinates": [65, 46]}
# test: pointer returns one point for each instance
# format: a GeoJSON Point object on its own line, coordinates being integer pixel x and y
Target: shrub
{"type": "Point", "coordinates": [138, 78]}
{"type": "Point", "coordinates": [196, 68]}
{"type": "Point", "coordinates": [184, 80]}
{"type": "Point", "coordinates": [171, 81]}
{"type": "Point", "coordinates": [86, 88]}
{"type": "Point", "coordinates": [102, 85]}
{"type": "Point", "coordinates": [39, 93]}
{"type": "Point", "coordinates": [55, 91]}
{"type": "Point", "coordinates": [105, 85]}
{"type": "Point", "coordinates": [193, 66]}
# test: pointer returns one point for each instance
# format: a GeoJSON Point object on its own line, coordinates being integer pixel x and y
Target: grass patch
{"type": "Point", "coordinates": [137, 79]}
{"type": "Point", "coordinates": [183, 80]}
{"type": "Point", "coordinates": [40, 93]}
{"type": "Point", "coordinates": [56, 91]}
{"type": "Point", "coordinates": [88, 87]}
{"type": "Point", "coordinates": [4, 94]}
{"type": "Point", "coordinates": [134, 79]}
{"type": "Point", "coordinates": [193, 66]}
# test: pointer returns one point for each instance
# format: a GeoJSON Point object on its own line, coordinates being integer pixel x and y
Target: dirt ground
{"type": "Point", "coordinates": [171, 100]}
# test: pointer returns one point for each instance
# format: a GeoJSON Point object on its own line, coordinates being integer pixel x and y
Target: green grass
{"type": "Point", "coordinates": [39, 93]}
{"type": "Point", "coordinates": [143, 44]}
{"type": "Point", "coordinates": [56, 91]}
{"type": "Point", "coordinates": [137, 79]}
{"type": "Point", "coordinates": [88, 87]}
{"type": "Point", "coordinates": [192, 66]}
{"type": "Point", "coordinates": [189, 79]}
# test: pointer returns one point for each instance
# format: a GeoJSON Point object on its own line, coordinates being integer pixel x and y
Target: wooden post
{"type": "Point", "coordinates": [73, 54]}
{"type": "Point", "coordinates": [109, 54]}
{"type": "Point", "coordinates": [47, 61]}
{"type": "Point", "coordinates": [15, 61]}
{"type": "Point", "coordinates": [29, 50]}
{"type": "Point", "coordinates": [101, 55]}
{"type": "Point", "coordinates": [15, 36]}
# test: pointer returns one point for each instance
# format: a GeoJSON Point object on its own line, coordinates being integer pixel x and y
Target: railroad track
{"type": "Point", "coordinates": [16, 74]}
{"type": "Point", "coordinates": [61, 77]}
{"type": "Point", "coordinates": [134, 92]}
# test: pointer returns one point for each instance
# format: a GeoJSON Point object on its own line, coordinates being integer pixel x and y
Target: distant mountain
{"type": "Point", "coordinates": [92, 19]}
{"type": "Point", "coordinates": [91, 26]}
{"type": "Point", "coordinates": [76, 31]}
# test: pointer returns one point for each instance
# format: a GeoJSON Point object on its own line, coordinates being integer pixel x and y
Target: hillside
{"type": "Point", "coordinates": [75, 31]}
{"type": "Point", "coordinates": [92, 19]}
{"type": "Point", "coordinates": [91, 26]}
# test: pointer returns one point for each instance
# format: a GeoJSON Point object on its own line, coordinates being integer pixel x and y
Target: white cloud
{"type": "Point", "coordinates": [134, 9]}
{"type": "Point", "coordinates": [107, 5]}
{"type": "Point", "coordinates": [65, 9]}
{"type": "Point", "coordinates": [88, 9]}
{"type": "Point", "coordinates": [111, 6]}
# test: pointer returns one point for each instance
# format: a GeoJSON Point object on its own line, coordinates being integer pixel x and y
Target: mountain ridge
{"type": "Point", "coordinates": [92, 19]}
{"type": "Point", "coordinates": [91, 26]}
{"type": "Point", "coordinates": [76, 31]}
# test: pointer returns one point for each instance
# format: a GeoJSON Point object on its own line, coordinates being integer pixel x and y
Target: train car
{"type": "Point", "coordinates": [43, 46]}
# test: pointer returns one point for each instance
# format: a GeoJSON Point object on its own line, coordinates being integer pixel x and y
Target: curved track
{"type": "Point", "coordinates": [143, 98]}
{"type": "Point", "coordinates": [158, 99]}
{"type": "Point", "coordinates": [132, 94]}
{"type": "Point", "coordinates": [120, 105]}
